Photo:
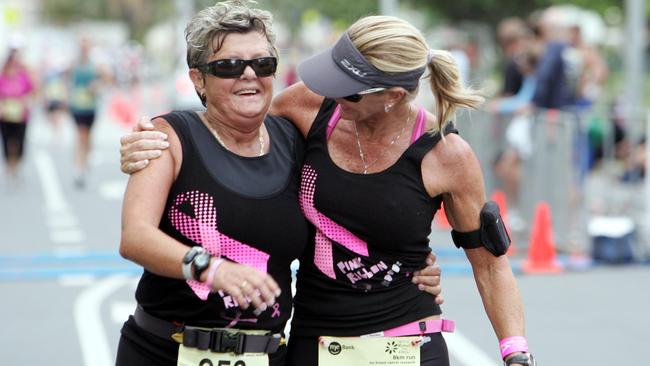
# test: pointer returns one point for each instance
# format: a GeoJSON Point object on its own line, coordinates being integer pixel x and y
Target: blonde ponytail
{"type": "Point", "coordinates": [447, 87]}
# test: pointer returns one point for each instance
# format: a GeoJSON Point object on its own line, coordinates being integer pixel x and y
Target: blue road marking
{"type": "Point", "coordinates": [103, 263]}
{"type": "Point", "coordinates": [55, 258]}
{"type": "Point", "coordinates": [53, 273]}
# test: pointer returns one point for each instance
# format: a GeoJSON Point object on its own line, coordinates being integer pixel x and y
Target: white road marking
{"type": "Point", "coordinates": [70, 250]}
{"type": "Point", "coordinates": [68, 236]}
{"type": "Point", "coordinates": [64, 226]}
{"type": "Point", "coordinates": [120, 310]}
{"type": "Point", "coordinates": [90, 329]}
{"type": "Point", "coordinates": [463, 350]}
{"type": "Point", "coordinates": [54, 199]}
{"type": "Point", "coordinates": [62, 220]}
{"type": "Point", "coordinates": [113, 190]}
{"type": "Point", "coordinates": [77, 280]}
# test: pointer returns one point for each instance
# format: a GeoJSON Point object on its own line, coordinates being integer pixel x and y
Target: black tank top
{"type": "Point", "coordinates": [246, 207]}
{"type": "Point", "coordinates": [371, 234]}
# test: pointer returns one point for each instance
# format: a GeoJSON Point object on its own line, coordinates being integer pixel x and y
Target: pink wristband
{"type": "Point", "coordinates": [211, 271]}
{"type": "Point", "coordinates": [513, 344]}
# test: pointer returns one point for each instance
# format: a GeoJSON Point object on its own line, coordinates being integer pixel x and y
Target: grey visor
{"type": "Point", "coordinates": [342, 70]}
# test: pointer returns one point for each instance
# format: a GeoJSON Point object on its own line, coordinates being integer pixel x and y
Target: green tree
{"type": "Point", "coordinates": [139, 15]}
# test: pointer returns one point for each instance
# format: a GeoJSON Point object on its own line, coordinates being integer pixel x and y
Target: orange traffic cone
{"type": "Point", "coordinates": [541, 250]}
{"type": "Point", "coordinates": [441, 219]}
{"type": "Point", "coordinates": [500, 198]}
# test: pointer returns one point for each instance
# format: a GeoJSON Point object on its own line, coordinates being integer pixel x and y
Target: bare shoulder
{"type": "Point", "coordinates": [298, 104]}
{"type": "Point", "coordinates": [454, 150]}
{"type": "Point", "coordinates": [450, 162]}
{"type": "Point", "coordinates": [451, 169]}
{"type": "Point", "coordinates": [175, 150]}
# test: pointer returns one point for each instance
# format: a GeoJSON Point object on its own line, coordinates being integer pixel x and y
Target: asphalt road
{"type": "Point", "coordinates": [65, 290]}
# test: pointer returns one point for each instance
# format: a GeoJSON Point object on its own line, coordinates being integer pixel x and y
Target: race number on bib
{"type": "Point", "coordinates": [12, 110]}
{"type": "Point", "coordinates": [381, 351]}
{"type": "Point", "coordinates": [188, 356]}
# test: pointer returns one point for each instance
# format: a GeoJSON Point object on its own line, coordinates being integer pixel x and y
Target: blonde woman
{"type": "Point", "coordinates": [376, 169]}
{"type": "Point", "coordinates": [379, 166]}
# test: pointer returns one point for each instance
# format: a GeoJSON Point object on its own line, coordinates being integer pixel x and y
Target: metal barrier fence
{"type": "Point", "coordinates": [553, 170]}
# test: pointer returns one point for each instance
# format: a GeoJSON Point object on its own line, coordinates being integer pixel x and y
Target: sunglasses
{"type": "Point", "coordinates": [356, 98]}
{"type": "Point", "coordinates": [234, 68]}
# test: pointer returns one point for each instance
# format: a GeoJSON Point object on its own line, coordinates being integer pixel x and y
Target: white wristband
{"type": "Point", "coordinates": [211, 271]}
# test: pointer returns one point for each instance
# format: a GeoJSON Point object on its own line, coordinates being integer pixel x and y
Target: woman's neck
{"type": "Point", "coordinates": [246, 139]}
{"type": "Point", "coordinates": [381, 125]}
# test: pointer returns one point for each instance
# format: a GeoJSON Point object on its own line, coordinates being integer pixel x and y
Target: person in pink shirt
{"type": "Point", "coordinates": [16, 86]}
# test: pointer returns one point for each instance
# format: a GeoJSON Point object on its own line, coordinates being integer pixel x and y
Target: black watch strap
{"type": "Point", "coordinates": [188, 261]}
{"type": "Point", "coordinates": [525, 359]}
{"type": "Point", "coordinates": [200, 263]}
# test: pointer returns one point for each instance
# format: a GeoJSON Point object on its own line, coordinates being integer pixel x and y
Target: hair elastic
{"type": "Point", "coordinates": [432, 53]}
{"type": "Point", "coordinates": [513, 344]}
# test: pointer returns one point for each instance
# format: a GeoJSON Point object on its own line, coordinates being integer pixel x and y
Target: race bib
{"type": "Point", "coordinates": [12, 110]}
{"type": "Point", "coordinates": [380, 351]}
{"type": "Point", "coordinates": [83, 98]}
{"type": "Point", "coordinates": [188, 356]}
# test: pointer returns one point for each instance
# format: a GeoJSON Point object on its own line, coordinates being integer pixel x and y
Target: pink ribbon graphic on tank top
{"type": "Point", "coordinates": [202, 229]}
{"type": "Point", "coordinates": [326, 229]}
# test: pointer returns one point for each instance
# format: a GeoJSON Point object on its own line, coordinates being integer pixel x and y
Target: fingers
{"type": "Point", "coordinates": [429, 271]}
{"type": "Point", "coordinates": [428, 280]}
{"type": "Point", "coordinates": [247, 286]}
{"type": "Point", "coordinates": [431, 259]}
{"type": "Point", "coordinates": [144, 155]}
{"type": "Point", "coordinates": [260, 289]}
{"type": "Point", "coordinates": [143, 124]}
{"type": "Point", "coordinates": [130, 168]}
{"type": "Point", "coordinates": [139, 147]}
{"type": "Point", "coordinates": [142, 135]}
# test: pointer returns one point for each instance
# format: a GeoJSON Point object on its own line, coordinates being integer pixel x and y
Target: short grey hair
{"type": "Point", "coordinates": [232, 16]}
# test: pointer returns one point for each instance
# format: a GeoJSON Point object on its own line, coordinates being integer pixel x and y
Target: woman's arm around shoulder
{"type": "Point", "coordinates": [298, 104]}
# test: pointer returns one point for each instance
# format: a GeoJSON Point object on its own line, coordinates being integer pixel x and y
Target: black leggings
{"type": "Point", "coordinates": [13, 138]}
{"type": "Point", "coordinates": [138, 347]}
{"type": "Point", "coordinates": [84, 119]}
{"type": "Point", "coordinates": [303, 351]}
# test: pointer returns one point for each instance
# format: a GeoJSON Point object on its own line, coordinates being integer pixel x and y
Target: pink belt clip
{"type": "Point", "coordinates": [417, 328]}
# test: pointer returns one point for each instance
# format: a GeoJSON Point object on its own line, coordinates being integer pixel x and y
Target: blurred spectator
{"type": "Point", "coordinates": [54, 91]}
{"type": "Point", "coordinates": [635, 164]}
{"type": "Point", "coordinates": [526, 65]}
{"type": "Point", "coordinates": [593, 70]}
{"type": "Point", "coordinates": [519, 146]}
{"type": "Point", "coordinates": [16, 86]}
{"type": "Point", "coordinates": [290, 75]}
{"type": "Point", "coordinates": [512, 36]}
{"type": "Point", "coordinates": [554, 89]}
{"type": "Point", "coordinates": [84, 85]}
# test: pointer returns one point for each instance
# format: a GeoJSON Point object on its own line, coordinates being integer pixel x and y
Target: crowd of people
{"type": "Point", "coordinates": [548, 65]}
{"type": "Point", "coordinates": [66, 91]}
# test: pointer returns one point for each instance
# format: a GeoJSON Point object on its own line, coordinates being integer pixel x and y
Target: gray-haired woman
{"type": "Point", "coordinates": [215, 221]}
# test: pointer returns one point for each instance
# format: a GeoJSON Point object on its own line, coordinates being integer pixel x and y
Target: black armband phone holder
{"type": "Point", "coordinates": [492, 234]}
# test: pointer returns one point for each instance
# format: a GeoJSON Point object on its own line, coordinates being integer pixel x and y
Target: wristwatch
{"type": "Point", "coordinates": [188, 259]}
{"type": "Point", "coordinates": [525, 359]}
{"type": "Point", "coordinates": [200, 263]}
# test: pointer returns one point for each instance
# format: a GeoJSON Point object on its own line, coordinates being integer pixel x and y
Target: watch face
{"type": "Point", "coordinates": [189, 256]}
{"type": "Point", "coordinates": [202, 260]}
